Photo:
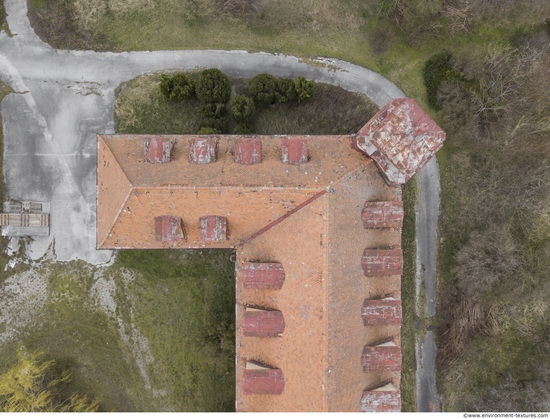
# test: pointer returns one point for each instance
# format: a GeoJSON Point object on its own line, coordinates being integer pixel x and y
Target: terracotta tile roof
{"type": "Point", "coordinates": [401, 138]}
{"type": "Point", "coordinates": [298, 223]}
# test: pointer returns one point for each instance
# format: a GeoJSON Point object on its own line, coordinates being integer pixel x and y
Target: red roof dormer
{"type": "Point", "coordinates": [263, 323]}
{"type": "Point", "coordinates": [213, 228]}
{"type": "Point", "coordinates": [294, 151]}
{"type": "Point", "coordinates": [385, 312]}
{"type": "Point", "coordinates": [169, 228]}
{"type": "Point", "coordinates": [157, 150]}
{"type": "Point", "coordinates": [267, 275]}
{"type": "Point", "coordinates": [382, 214]}
{"type": "Point", "coordinates": [383, 356]}
{"type": "Point", "coordinates": [248, 151]}
{"type": "Point", "coordinates": [258, 379]}
{"type": "Point", "coordinates": [202, 151]}
{"type": "Point", "coordinates": [382, 262]}
{"type": "Point", "coordinates": [384, 398]}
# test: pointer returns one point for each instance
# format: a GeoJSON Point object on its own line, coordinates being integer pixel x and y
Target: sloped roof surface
{"type": "Point", "coordinates": [401, 138]}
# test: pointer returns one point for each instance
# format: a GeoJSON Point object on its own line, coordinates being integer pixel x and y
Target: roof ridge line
{"type": "Point", "coordinates": [97, 196]}
{"type": "Point", "coordinates": [116, 217]}
{"type": "Point", "coordinates": [283, 217]}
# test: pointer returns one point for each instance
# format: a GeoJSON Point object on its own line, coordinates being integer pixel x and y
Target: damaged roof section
{"type": "Point", "coordinates": [248, 151]}
{"type": "Point", "coordinates": [157, 150]}
{"type": "Point", "coordinates": [258, 379]}
{"type": "Point", "coordinates": [267, 275]}
{"type": "Point", "coordinates": [382, 262]}
{"type": "Point", "coordinates": [382, 214]}
{"type": "Point", "coordinates": [401, 138]}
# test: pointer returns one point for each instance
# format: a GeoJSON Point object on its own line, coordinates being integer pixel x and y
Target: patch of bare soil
{"type": "Point", "coordinates": [57, 23]}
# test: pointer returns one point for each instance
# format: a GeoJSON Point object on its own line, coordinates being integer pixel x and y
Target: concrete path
{"type": "Point", "coordinates": [427, 212]}
{"type": "Point", "coordinates": [65, 97]}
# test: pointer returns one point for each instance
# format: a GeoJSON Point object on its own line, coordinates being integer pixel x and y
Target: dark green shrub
{"type": "Point", "coordinates": [262, 89]}
{"type": "Point", "coordinates": [221, 124]}
{"type": "Point", "coordinates": [179, 87]}
{"type": "Point", "coordinates": [242, 129]}
{"type": "Point", "coordinates": [213, 86]}
{"type": "Point", "coordinates": [304, 89]}
{"type": "Point", "coordinates": [286, 92]}
{"type": "Point", "coordinates": [214, 110]}
{"type": "Point", "coordinates": [208, 131]}
{"type": "Point", "coordinates": [242, 109]}
{"type": "Point", "coordinates": [434, 73]}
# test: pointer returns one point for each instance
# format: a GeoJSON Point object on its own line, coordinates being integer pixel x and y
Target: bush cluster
{"type": "Point", "coordinates": [304, 89]}
{"type": "Point", "coordinates": [262, 89]}
{"type": "Point", "coordinates": [179, 87]}
{"type": "Point", "coordinates": [242, 109]}
{"type": "Point", "coordinates": [265, 89]}
{"type": "Point", "coordinates": [286, 92]}
{"type": "Point", "coordinates": [213, 86]}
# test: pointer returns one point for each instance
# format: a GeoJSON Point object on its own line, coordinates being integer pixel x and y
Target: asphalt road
{"type": "Point", "coordinates": [65, 97]}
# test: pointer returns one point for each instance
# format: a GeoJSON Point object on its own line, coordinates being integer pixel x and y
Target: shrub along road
{"type": "Point", "coordinates": [66, 97]}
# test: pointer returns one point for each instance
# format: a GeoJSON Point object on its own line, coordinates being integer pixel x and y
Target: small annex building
{"type": "Point", "coordinates": [316, 224]}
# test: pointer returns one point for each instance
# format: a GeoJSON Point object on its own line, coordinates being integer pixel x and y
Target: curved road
{"type": "Point", "coordinates": [66, 97]}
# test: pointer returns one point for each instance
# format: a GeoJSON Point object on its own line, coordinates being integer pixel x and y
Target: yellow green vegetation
{"type": "Point", "coordinates": [35, 386]}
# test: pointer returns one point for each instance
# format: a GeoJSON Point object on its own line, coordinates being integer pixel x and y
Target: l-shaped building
{"type": "Point", "coordinates": [316, 224]}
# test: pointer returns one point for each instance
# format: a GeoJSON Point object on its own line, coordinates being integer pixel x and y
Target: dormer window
{"type": "Point", "coordinates": [213, 228]}
{"type": "Point", "coordinates": [382, 398]}
{"type": "Point", "coordinates": [384, 312]}
{"type": "Point", "coordinates": [294, 151]}
{"type": "Point", "coordinates": [158, 150]}
{"type": "Point", "coordinates": [382, 262]}
{"type": "Point", "coordinates": [266, 275]}
{"type": "Point", "coordinates": [263, 323]}
{"type": "Point", "coordinates": [382, 356]}
{"type": "Point", "coordinates": [248, 151]}
{"type": "Point", "coordinates": [260, 379]}
{"type": "Point", "coordinates": [202, 151]}
{"type": "Point", "coordinates": [382, 214]}
{"type": "Point", "coordinates": [169, 228]}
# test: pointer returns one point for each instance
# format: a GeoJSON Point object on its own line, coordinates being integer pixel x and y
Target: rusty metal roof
{"type": "Point", "coordinates": [263, 323]}
{"type": "Point", "coordinates": [248, 151]}
{"type": "Point", "coordinates": [213, 228]}
{"type": "Point", "coordinates": [382, 262]}
{"type": "Point", "coordinates": [267, 275]}
{"type": "Point", "coordinates": [157, 150]}
{"type": "Point", "coordinates": [294, 151]}
{"type": "Point", "coordinates": [168, 228]}
{"type": "Point", "coordinates": [382, 214]}
{"type": "Point", "coordinates": [381, 312]}
{"type": "Point", "coordinates": [258, 379]}
{"type": "Point", "coordinates": [401, 138]}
